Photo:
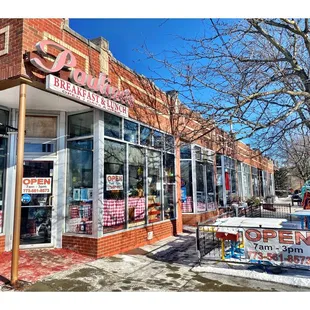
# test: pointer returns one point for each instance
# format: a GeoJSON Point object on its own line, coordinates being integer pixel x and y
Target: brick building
{"type": "Point", "coordinates": [111, 162]}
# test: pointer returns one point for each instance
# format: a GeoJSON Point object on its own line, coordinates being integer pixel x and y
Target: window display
{"type": "Point", "coordinates": [186, 186]}
{"type": "Point", "coordinates": [169, 187]}
{"type": "Point", "coordinates": [80, 187]}
{"type": "Point", "coordinates": [136, 186]}
{"type": "Point", "coordinates": [154, 186]}
{"type": "Point", "coordinates": [114, 186]}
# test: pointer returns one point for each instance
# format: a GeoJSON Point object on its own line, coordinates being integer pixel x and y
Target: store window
{"type": "Point", "coordinates": [145, 136]}
{"type": "Point", "coordinates": [169, 187]}
{"type": "Point", "coordinates": [114, 186]}
{"type": "Point", "coordinates": [255, 187]}
{"type": "Point", "coordinates": [3, 157]}
{"type": "Point", "coordinates": [246, 177]}
{"type": "Point", "coordinates": [154, 186]}
{"type": "Point", "coordinates": [169, 143]}
{"type": "Point", "coordinates": [80, 187]}
{"type": "Point", "coordinates": [185, 151]}
{"type": "Point", "coordinates": [240, 181]}
{"type": "Point", "coordinates": [112, 126]}
{"type": "Point", "coordinates": [201, 187]}
{"type": "Point", "coordinates": [210, 187]}
{"type": "Point", "coordinates": [219, 181]}
{"type": "Point", "coordinates": [186, 186]}
{"type": "Point", "coordinates": [158, 139]}
{"type": "Point", "coordinates": [80, 125]}
{"type": "Point", "coordinates": [136, 186]}
{"type": "Point", "coordinates": [130, 131]}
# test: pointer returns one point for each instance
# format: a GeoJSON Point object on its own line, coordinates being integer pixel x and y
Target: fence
{"type": "Point", "coordinates": [281, 247]}
{"type": "Point", "coordinates": [266, 210]}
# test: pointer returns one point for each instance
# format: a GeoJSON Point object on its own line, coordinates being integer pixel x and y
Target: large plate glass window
{"type": "Point", "coordinates": [136, 186]}
{"type": "Point", "coordinates": [169, 187]}
{"type": "Point", "coordinates": [80, 125]}
{"type": "Point", "coordinates": [114, 186]}
{"type": "Point", "coordinates": [112, 126]}
{"type": "Point", "coordinates": [80, 187]}
{"type": "Point", "coordinates": [186, 186]}
{"type": "Point", "coordinates": [154, 186]}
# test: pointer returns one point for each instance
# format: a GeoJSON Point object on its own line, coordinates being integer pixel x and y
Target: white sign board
{"type": "Point", "coordinates": [67, 89]}
{"type": "Point", "coordinates": [37, 186]}
{"type": "Point", "coordinates": [277, 246]}
{"type": "Point", "coordinates": [114, 182]}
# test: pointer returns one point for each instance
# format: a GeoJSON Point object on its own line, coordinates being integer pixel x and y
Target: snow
{"type": "Point", "coordinates": [293, 277]}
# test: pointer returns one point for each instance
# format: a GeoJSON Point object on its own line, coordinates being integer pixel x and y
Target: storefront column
{"type": "Point", "coordinates": [18, 184]}
{"type": "Point", "coordinates": [223, 180]}
{"type": "Point", "coordinates": [178, 187]}
{"type": "Point", "coordinates": [98, 175]}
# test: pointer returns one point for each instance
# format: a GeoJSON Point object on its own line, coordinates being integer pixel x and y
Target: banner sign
{"type": "Point", "coordinates": [114, 182]}
{"type": "Point", "coordinates": [283, 247]}
{"type": "Point", "coordinates": [37, 186]}
{"type": "Point", "coordinates": [67, 89]}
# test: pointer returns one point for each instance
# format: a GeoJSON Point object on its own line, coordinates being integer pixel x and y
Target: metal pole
{"type": "Point", "coordinates": [18, 183]}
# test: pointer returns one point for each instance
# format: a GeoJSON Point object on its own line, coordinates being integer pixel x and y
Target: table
{"type": "Point", "coordinates": [303, 214]}
{"type": "Point", "coordinates": [228, 229]}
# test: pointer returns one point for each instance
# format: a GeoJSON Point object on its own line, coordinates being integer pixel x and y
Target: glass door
{"type": "Point", "coordinates": [36, 211]}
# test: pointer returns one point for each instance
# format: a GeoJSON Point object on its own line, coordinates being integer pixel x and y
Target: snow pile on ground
{"type": "Point", "coordinates": [294, 277]}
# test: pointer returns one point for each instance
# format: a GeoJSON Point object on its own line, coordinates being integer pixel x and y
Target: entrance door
{"type": "Point", "coordinates": [36, 211]}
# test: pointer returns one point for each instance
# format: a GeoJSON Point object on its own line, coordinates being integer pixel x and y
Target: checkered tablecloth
{"type": "Point", "coordinates": [201, 206]}
{"type": "Point", "coordinates": [211, 206]}
{"type": "Point", "coordinates": [187, 206]}
{"type": "Point", "coordinates": [113, 212]}
{"type": "Point", "coordinates": [139, 206]}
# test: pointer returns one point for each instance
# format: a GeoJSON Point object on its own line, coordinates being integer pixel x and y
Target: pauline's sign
{"type": "Point", "coordinates": [57, 85]}
{"type": "Point", "coordinates": [66, 60]}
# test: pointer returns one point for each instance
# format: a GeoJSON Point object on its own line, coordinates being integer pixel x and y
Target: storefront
{"type": "Point", "coordinates": [103, 170]}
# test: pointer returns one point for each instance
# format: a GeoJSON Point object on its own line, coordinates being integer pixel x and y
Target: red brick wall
{"type": "Point", "coordinates": [11, 63]}
{"type": "Point", "coordinates": [118, 242]}
{"type": "Point", "coordinates": [2, 241]}
{"type": "Point", "coordinates": [192, 219]}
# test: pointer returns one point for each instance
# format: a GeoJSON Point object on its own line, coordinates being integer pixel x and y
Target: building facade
{"type": "Point", "coordinates": [106, 168]}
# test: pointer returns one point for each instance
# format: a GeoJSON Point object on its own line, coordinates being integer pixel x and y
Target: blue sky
{"type": "Point", "coordinates": [126, 36]}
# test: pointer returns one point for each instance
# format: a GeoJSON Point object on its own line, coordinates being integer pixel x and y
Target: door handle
{"type": "Point", "coordinates": [50, 200]}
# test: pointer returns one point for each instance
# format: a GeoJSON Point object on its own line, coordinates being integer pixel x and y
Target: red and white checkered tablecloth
{"type": "Point", "coordinates": [201, 206]}
{"type": "Point", "coordinates": [139, 207]}
{"type": "Point", "coordinates": [187, 206]}
{"type": "Point", "coordinates": [211, 206]}
{"type": "Point", "coordinates": [113, 212]}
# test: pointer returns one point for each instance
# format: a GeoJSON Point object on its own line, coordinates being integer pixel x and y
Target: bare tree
{"type": "Point", "coordinates": [295, 152]}
{"type": "Point", "coordinates": [250, 73]}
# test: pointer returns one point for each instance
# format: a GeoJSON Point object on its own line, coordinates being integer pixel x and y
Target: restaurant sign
{"type": "Point", "coordinates": [60, 86]}
{"type": "Point", "coordinates": [278, 246]}
{"type": "Point", "coordinates": [94, 87]}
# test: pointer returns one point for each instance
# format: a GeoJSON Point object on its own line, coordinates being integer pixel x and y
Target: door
{"type": "Point", "coordinates": [37, 197]}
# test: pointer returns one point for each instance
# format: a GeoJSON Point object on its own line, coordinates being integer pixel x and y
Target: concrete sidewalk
{"type": "Point", "coordinates": [168, 265]}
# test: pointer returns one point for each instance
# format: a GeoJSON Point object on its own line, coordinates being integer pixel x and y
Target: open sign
{"type": "Point", "coordinates": [114, 182]}
{"type": "Point", "coordinates": [37, 186]}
